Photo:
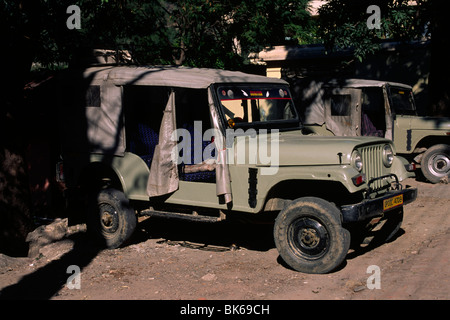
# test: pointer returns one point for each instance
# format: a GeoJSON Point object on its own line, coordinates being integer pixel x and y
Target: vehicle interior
{"type": "Point", "coordinates": [144, 108]}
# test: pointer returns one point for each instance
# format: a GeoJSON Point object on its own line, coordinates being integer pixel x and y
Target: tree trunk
{"type": "Point", "coordinates": [15, 201]}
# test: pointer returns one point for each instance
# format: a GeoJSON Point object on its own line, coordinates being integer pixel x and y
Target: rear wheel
{"type": "Point", "coordinates": [111, 219]}
{"type": "Point", "coordinates": [309, 236]}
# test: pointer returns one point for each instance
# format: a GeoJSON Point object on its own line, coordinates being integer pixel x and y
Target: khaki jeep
{"type": "Point", "coordinates": [210, 145]}
{"type": "Point", "coordinates": [358, 107]}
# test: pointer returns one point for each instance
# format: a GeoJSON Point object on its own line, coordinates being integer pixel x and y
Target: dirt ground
{"type": "Point", "coordinates": [230, 261]}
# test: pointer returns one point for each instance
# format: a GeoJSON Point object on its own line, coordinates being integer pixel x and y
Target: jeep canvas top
{"type": "Point", "coordinates": [210, 145]}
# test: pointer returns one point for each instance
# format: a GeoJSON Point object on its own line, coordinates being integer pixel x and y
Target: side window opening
{"type": "Point", "coordinates": [402, 100]}
{"type": "Point", "coordinates": [144, 107]}
{"type": "Point", "coordinates": [93, 96]}
{"type": "Point", "coordinates": [197, 151]}
{"type": "Point", "coordinates": [373, 122]}
{"type": "Point", "coordinates": [340, 105]}
{"type": "Point", "coordinates": [255, 104]}
{"type": "Point", "coordinates": [339, 115]}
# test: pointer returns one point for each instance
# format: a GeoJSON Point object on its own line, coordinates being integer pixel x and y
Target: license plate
{"type": "Point", "coordinates": [393, 202]}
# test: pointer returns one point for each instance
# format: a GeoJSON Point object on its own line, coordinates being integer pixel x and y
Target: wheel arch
{"type": "Point", "coordinates": [98, 175]}
{"type": "Point", "coordinates": [286, 191]}
{"type": "Point", "coordinates": [430, 141]}
{"type": "Point", "coordinates": [128, 174]}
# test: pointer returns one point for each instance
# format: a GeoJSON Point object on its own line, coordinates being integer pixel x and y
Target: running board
{"type": "Point", "coordinates": [181, 216]}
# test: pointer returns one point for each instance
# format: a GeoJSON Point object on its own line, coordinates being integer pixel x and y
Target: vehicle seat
{"type": "Point", "coordinates": [207, 175]}
{"type": "Point", "coordinates": [143, 142]}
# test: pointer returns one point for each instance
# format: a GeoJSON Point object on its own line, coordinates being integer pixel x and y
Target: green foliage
{"type": "Point", "coordinates": [343, 24]}
{"type": "Point", "coordinates": [209, 33]}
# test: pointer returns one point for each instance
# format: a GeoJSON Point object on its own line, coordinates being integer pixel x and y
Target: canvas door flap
{"type": "Point", "coordinates": [389, 117]}
{"type": "Point", "coordinates": [163, 178]}
{"type": "Point", "coordinates": [223, 179]}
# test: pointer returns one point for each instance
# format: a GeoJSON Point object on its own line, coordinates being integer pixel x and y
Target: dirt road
{"type": "Point", "coordinates": [180, 260]}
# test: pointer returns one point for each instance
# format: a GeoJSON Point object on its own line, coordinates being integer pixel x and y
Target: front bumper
{"type": "Point", "coordinates": [377, 207]}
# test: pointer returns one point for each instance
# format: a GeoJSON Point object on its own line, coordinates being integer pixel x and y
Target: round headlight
{"type": "Point", "coordinates": [357, 160]}
{"type": "Point", "coordinates": [388, 155]}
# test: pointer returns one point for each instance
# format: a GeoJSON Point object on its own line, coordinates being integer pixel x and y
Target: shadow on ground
{"type": "Point", "coordinates": [225, 234]}
{"type": "Point", "coordinates": [46, 281]}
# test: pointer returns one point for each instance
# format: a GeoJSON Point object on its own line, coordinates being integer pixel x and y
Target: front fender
{"type": "Point", "coordinates": [341, 174]}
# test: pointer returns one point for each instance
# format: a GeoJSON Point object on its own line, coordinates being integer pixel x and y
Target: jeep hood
{"type": "Point", "coordinates": [298, 149]}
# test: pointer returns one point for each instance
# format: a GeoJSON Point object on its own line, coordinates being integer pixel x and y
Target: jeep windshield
{"type": "Point", "coordinates": [257, 106]}
{"type": "Point", "coordinates": [402, 101]}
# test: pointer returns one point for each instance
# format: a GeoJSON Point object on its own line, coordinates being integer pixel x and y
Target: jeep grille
{"type": "Point", "coordinates": [373, 166]}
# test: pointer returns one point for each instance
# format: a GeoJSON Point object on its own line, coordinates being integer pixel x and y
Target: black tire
{"type": "Point", "coordinates": [309, 236]}
{"type": "Point", "coordinates": [435, 163]}
{"type": "Point", "coordinates": [111, 219]}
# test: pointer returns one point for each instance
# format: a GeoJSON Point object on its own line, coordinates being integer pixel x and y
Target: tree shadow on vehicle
{"type": "Point", "coordinates": [226, 234]}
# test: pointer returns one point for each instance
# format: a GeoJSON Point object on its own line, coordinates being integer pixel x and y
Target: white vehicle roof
{"type": "Point", "coordinates": [361, 83]}
{"type": "Point", "coordinates": [196, 78]}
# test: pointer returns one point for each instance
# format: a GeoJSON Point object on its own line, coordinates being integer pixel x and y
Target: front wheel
{"type": "Point", "coordinates": [309, 236]}
{"type": "Point", "coordinates": [435, 163]}
{"type": "Point", "coordinates": [111, 219]}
